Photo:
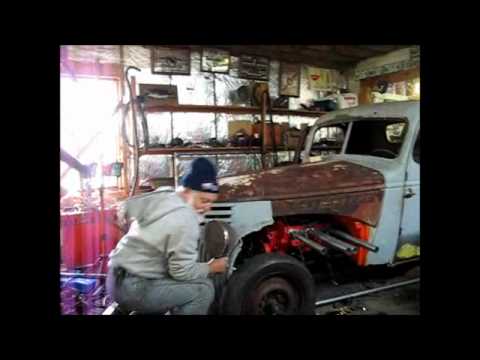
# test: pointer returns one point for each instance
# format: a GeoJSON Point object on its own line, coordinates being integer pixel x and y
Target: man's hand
{"type": "Point", "coordinates": [218, 265]}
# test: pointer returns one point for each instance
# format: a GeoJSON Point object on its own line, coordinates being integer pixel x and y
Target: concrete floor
{"type": "Point", "coordinates": [399, 301]}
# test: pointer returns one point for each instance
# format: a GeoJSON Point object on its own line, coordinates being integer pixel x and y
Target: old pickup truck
{"type": "Point", "coordinates": [357, 197]}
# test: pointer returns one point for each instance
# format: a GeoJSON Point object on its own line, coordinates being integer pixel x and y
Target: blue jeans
{"type": "Point", "coordinates": [156, 296]}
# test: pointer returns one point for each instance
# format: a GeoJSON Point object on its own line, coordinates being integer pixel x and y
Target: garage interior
{"type": "Point", "coordinates": [134, 117]}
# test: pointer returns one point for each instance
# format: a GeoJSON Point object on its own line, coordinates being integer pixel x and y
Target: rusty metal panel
{"type": "Point", "coordinates": [364, 206]}
{"type": "Point", "coordinates": [301, 181]}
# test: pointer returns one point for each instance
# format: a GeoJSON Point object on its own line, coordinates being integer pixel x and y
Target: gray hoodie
{"type": "Point", "coordinates": [162, 240]}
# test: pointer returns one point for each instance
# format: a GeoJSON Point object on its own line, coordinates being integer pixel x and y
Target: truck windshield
{"type": "Point", "coordinates": [373, 137]}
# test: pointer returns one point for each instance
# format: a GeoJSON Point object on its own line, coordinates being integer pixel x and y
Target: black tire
{"type": "Point", "coordinates": [270, 284]}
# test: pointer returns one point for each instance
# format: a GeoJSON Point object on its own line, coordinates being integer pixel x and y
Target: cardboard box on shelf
{"type": "Point", "coordinates": [292, 138]}
{"type": "Point", "coordinates": [285, 126]}
{"type": "Point", "coordinates": [235, 126]}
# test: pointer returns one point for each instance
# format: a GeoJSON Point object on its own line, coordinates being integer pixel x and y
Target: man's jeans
{"type": "Point", "coordinates": [156, 296]}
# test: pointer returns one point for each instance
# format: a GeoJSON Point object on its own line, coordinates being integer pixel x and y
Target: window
{"type": "Point", "coordinates": [377, 137]}
{"type": "Point", "coordinates": [395, 133]}
{"type": "Point", "coordinates": [88, 131]}
{"type": "Point", "coordinates": [328, 140]}
{"type": "Point", "coordinates": [416, 149]}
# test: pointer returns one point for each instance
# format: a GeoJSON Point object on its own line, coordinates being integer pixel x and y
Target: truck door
{"type": "Point", "coordinates": [409, 240]}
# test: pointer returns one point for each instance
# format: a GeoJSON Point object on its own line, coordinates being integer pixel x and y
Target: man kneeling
{"type": "Point", "coordinates": [154, 266]}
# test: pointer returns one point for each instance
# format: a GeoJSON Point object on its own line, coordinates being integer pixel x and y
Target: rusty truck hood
{"type": "Point", "coordinates": [300, 181]}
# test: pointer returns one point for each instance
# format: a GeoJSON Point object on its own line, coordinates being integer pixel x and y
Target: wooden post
{"type": "Point", "coordinates": [262, 128]}
{"type": "Point", "coordinates": [300, 145]}
{"type": "Point", "coordinates": [174, 165]}
{"type": "Point", "coordinates": [135, 136]}
{"type": "Point", "coordinates": [123, 146]}
{"type": "Point", "coordinates": [174, 156]}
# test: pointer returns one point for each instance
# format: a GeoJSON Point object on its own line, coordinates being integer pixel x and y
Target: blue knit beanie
{"type": "Point", "coordinates": [202, 176]}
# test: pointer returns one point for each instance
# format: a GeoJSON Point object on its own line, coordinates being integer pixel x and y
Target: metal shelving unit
{"type": "Point", "coordinates": [235, 110]}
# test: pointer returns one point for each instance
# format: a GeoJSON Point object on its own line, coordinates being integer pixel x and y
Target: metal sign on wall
{"type": "Point", "coordinates": [411, 62]}
{"type": "Point", "coordinates": [254, 67]}
{"type": "Point", "coordinates": [415, 53]}
{"type": "Point", "coordinates": [170, 61]}
{"type": "Point", "coordinates": [319, 79]}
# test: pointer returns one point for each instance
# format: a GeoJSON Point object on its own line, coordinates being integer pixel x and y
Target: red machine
{"type": "Point", "coordinates": [87, 237]}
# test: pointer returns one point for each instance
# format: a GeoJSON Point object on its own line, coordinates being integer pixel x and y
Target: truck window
{"type": "Point", "coordinates": [416, 149]}
{"type": "Point", "coordinates": [328, 140]}
{"type": "Point", "coordinates": [395, 132]}
{"type": "Point", "coordinates": [377, 137]}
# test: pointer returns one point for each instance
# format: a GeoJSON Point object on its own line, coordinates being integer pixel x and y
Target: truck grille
{"type": "Point", "coordinates": [220, 212]}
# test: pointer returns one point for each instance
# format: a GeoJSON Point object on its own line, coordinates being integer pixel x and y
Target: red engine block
{"type": "Point", "coordinates": [279, 239]}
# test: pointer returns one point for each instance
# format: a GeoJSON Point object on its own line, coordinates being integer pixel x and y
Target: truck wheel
{"type": "Point", "coordinates": [270, 284]}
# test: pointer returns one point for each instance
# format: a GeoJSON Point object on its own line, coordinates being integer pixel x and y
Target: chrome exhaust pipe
{"type": "Point", "coordinates": [353, 240]}
{"type": "Point", "coordinates": [336, 243]}
{"type": "Point", "coordinates": [321, 249]}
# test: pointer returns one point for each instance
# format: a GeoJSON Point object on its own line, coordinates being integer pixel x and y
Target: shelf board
{"type": "Point", "coordinates": [229, 110]}
{"type": "Point", "coordinates": [213, 150]}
